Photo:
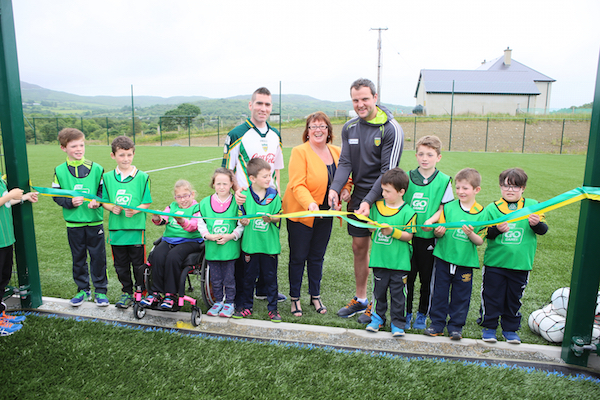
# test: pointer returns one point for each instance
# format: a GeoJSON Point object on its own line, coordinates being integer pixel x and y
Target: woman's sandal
{"type": "Point", "coordinates": [296, 311]}
{"type": "Point", "coordinates": [320, 308]}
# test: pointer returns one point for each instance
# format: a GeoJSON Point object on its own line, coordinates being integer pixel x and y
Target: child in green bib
{"type": "Point", "coordinates": [126, 186]}
{"type": "Point", "coordinates": [222, 232]}
{"type": "Point", "coordinates": [390, 251]}
{"type": "Point", "coordinates": [260, 242]}
{"type": "Point", "coordinates": [180, 239]}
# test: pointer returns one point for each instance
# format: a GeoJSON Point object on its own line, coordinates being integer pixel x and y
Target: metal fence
{"type": "Point", "coordinates": [483, 134]}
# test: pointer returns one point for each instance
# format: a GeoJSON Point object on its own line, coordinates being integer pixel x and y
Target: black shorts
{"type": "Point", "coordinates": [357, 197]}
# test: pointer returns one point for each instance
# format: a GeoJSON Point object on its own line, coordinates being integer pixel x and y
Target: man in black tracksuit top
{"type": "Point", "coordinates": [371, 145]}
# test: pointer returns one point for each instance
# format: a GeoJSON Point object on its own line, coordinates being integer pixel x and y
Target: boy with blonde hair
{"type": "Point", "coordinates": [455, 258]}
{"type": "Point", "coordinates": [427, 191]}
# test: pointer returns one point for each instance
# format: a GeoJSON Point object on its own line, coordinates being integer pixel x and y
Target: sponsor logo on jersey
{"type": "Point", "coordinates": [513, 236]}
{"type": "Point", "coordinates": [122, 197]}
{"type": "Point", "coordinates": [382, 239]}
{"type": "Point", "coordinates": [220, 227]}
{"type": "Point", "coordinates": [269, 157]}
{"type": "Point", "coordinates": [260, 225]}
{"type": "Point", "coordinates": [459, 234]}
{"type": "Point", "coordinates": [79, 187]}
{"type": "Point", "coordinates": [352, 141]}
{"type": "Point", "coordinates": [419, 203]}
{"type": "Point", "coordinates": [7, 204]}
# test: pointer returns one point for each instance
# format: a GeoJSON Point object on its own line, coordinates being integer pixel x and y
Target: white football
{"type": "Point", "coordinates": [595, 334]}
{"type": "Point", "coordinates": [560, 300]}
{"type": "Point", "coordinates": [552, 327]}
{"type": "Point", "coordinates": [534, 320]}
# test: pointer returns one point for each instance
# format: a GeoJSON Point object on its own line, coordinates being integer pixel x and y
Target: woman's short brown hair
{"type": "Point", "coordinates": [318, 116]}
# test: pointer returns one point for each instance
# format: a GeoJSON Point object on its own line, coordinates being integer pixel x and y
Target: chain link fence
{"type": "Point", "coordinates": [483, 134]}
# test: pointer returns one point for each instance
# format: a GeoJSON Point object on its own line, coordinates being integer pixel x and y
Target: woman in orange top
{"type": "Point", "coordinates": [311, 169]}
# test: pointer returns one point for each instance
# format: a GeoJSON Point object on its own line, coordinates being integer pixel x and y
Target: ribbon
{"type": "Point", "coordinates": [570, 197]}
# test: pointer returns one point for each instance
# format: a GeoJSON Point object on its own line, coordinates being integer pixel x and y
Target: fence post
{"type": "Point", "coordinates": [57, 130]}
{"type": "Point", "coordinates": [451, 116]}
{"type": "Point", "coordinates": [160, 128]}
{"type": "Point", "coordinates": [107, 135]}
{"type": "Point", "coordinates": [487, 129]}
{"type": "Point", "coordinates": [34, 132]}
{"type": "Point", "coordinates": [415, 135]}
{"type": "Point", "coordinates": [524, 128]}
{"type": "Point", "coordinates": [562, 135]}
{"type": "Point", "coordinates": [218, 129]}
{"type": "Point", "coordinates": [189, 134]}
{"type": "Point", "coordinates": [81, 124]}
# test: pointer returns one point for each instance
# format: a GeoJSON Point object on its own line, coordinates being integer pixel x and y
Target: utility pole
{"type": "Point", "coordinates": [379, 63]}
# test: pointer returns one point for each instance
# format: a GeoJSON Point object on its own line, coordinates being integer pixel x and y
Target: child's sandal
{"type": "Point", "coordinates": [296, 311]}
{"type": "Point", "coordinates": [319, 307]}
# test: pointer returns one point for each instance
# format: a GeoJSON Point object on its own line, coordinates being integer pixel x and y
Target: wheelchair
{"type": "Point", "coordinates": [195, 273]}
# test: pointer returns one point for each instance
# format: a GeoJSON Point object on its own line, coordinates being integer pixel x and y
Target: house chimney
{"type": "Point", "coordinates": [507, 56]}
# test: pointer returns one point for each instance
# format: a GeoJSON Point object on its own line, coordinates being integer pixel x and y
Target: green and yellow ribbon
{"type": "Point", "coordinates": [570, 197]}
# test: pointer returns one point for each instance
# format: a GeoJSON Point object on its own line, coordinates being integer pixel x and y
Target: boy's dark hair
{"type": "Point", "coordinates": [222, 171]}
{"type": "Point", "coordinates": [256, 165]}
{"type": "Point", "coordinates": [430, 141]}
{"type": "Point", "coordinates": [260, 90]}
{"type": "Point", "coordinates": [470, 175]}
{"type": "Point", "coordinates": [513, 176]}
{"type": "Point", "coordinates": [68, 134]}
{"type": "Point", "coordinates": [123, 143]}
{"type": "Point", "coordinates": [362, 82]}
{"type": "Point", "coordinates": [395, 177]}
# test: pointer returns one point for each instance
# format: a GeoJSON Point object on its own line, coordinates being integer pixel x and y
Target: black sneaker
{"type": "Point", "coordinates": [365, 318]}
{"type": "Point", "coordinates": [432, 332]}
{"type": "Point", "coordinates": [455, 335]}
{"type": "Point", "coordinates": [352, 308]}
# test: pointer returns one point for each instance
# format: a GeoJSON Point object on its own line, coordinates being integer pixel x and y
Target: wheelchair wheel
{"type": "Point", "coordinates": [138, 311]}
{"type": "Point", "coordinates": [207, 292]}
{"type": "Point", "coordinates": [196, 316]}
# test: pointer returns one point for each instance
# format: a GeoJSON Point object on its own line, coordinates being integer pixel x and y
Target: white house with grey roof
{"type": "Point", "coordinates": [501, 86]}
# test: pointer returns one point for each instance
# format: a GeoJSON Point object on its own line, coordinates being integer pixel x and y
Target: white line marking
{"type": "Point", "coordinates": [184, 165]}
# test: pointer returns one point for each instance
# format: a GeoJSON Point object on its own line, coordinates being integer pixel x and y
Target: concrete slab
{"type": "Point", "coordinates": [410, 344]}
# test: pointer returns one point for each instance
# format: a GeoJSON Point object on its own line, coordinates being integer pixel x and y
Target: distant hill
{"type": "Point", "coordinates": [37, 99]}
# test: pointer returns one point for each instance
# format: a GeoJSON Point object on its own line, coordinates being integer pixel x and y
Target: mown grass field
{"type": "Point", "coordinates": [549, 175]}
{"type": "Point", "coordinates": [55, 358]}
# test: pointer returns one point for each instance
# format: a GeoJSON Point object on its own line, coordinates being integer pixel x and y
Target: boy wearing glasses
{"type": "Point", "coordinates": [126, 185]}
{"type": "Point", "coordinates": [508, 259]}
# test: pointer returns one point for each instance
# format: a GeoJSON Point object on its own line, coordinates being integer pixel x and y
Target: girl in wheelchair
{"type": "Point", "coordinates": [181, 238]}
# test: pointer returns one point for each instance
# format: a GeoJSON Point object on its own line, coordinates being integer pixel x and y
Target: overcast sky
{"type": "Point", "coordinates": [225, 48]}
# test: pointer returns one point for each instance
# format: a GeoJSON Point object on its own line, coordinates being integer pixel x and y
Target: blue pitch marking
{"type": "Point", "coordinates": [329, 349]}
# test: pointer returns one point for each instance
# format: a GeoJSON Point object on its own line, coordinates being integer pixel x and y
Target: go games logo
{"type": "Point", "coordinates": [459, 234]}
{"type": "Point", "coordinates": [220, 227]}
{"type": "Point", "coordinates": [380, 238]}
{"type": "Point", "coordinates": [79, 187]}
{"type": "Point", "coordinates": [173, 221]}
{"type": "Point", "coordinates": [514, 235]}
{"type": "Point", "coordinates": [259, 225]}
{"type": "Point", "coordinates": [419, 203]}
{"type": "Point", "coordinates": [123, 198]}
